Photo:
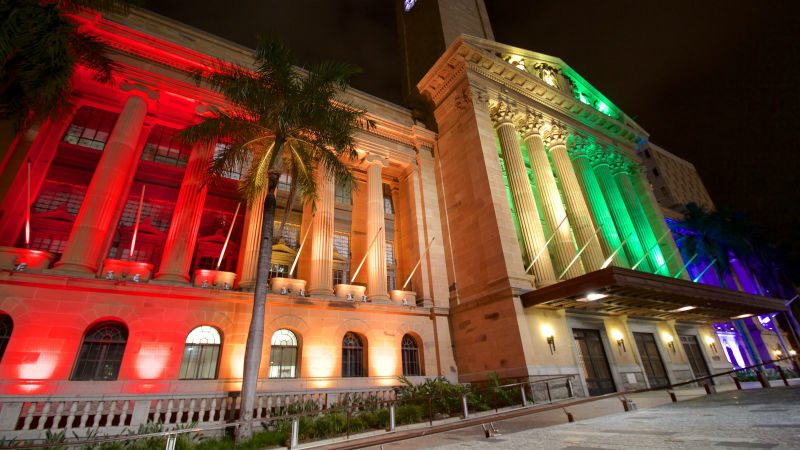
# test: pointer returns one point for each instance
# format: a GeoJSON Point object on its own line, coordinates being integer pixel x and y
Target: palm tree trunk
{"type": "Point", "coordinates": [255, 334]}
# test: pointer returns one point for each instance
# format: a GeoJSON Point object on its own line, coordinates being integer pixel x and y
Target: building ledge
{"type": "Point", "coordinates": [640, 294]}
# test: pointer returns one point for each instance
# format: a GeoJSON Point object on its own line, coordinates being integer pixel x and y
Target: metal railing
{"type": "Point", "coordinates": [508, 401]}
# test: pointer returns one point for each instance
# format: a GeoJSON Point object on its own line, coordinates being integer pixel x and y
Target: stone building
{"type": "Point", "coordinates": [514, 234]}
{"type": "Point", "coordinates": [675, 180]}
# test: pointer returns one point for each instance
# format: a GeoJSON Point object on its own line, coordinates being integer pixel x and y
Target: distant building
{"type": "Point", "coordinates": [675, 180]}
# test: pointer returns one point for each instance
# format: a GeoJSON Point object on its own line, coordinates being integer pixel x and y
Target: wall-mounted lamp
{"type": "Point", "coordinates": [550, 336]}
{"type": "Point", "coordinates": [778, 353]}
{"type": "Point", "coordinates": [670, 341]}
{"type": "Point", "coordinates": [792, 353]}
{"type": "Point", "coordinates": [620, 340]}
{"type": "Point", "coordinates": [711, 343]}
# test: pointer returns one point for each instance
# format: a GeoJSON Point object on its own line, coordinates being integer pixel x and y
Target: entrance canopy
{"type": "Point", "coordinates": [618, 291]}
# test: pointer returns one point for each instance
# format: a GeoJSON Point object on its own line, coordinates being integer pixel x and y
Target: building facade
{"type": "Point", "coordinates": [516, 235]}
{"type": "Point", "coordinates": [675, 180]}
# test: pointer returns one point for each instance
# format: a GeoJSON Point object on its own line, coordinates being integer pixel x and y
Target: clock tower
{"type": "Point", "coordinates": [426, 28]}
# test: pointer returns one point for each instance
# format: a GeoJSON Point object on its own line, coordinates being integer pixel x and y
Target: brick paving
{"type": "Point", "coordinates": [749, 419]}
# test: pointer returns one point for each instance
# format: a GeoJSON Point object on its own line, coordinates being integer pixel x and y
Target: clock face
{"type": "Point", "coordinates": [408, 4]}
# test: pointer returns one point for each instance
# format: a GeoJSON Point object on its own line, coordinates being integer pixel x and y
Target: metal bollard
{"type": "Point", "coordinates": [464, 406]}
{"type": "Point", "coordinates": [672, 396]}
{"type": "Point", "coordinates": [391, 418]}
{"type": "Point", "coordinates": [737, 383]}
{"type": "Point", "coordinates": [783, 375]}
{"type": "Point", "coordinates": [524, 399]}
{"type": "Point", "coordinates": [171, 439]}
{"type": "Point", "coordinates": [295, 433]}
{"type": "Point", "coordinates": [624, 404]}
{"type": "Point", "coordinates": [570, 417]}
{"type": "Point", "coordinates": [707, 388]}
{"type": "Point", "coordinates": [762, 377]}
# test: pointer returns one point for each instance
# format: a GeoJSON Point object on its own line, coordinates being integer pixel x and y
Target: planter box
{"type": "Point", "coordinates": [207, 278]}
{"type": "Point", "coordinates": [286, 286]}
{"type": "Point", "coordinates": [355, 291]}
{"type": "Point", "coordinates": [397, 296]}
{"type": "Point", "coordinates": [117, 269]}
{"type": "Point", "coordinates": [34, 260]}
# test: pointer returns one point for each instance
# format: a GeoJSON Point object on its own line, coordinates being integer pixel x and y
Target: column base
{"type": "Point", "coordinates": [74, 270]}
{"type": "Point", "coordinates": [247, 285]}
{"type": "Point", "coordinates": [379, 298]}
{"type": "Point", "coordinates": [324, 294]}
{"type": "Point", "coordinates": [171, 279]}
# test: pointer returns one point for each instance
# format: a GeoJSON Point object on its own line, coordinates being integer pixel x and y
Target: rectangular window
{"type": "Point", "coordinates": [339, 276]}
{"type": "Point", "coordinates": [285, 182]}
{"type": "Point", "coordinates": [90, 128]}
{"type": "Point", "coordinates": [387, 205]}
{"type": "Point", "coordinates": [290, 236]}
{"type": "Point", "coordinates": [54, 195]}
{"type": "Point", "coordinates": [341, 243]}
{"type": "Point", "coordinates": [390, 253]}
{"type": "Point", "coordinates": [163, 146]}
{"type": "Point", "coordinates": [344, 196]}
{"type": "Point", "coordinates": [234, 173]}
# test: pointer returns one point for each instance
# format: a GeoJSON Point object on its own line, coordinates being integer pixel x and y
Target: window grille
{"type": "Point", "coordinates": [283, 355]}
{"type": "Point", "coordinates": [201, 354]}
{"type": "Point", "coordinates": [54, 194]}
{"type": "Point", "coordinates": [101, 352]}
{"type": "Point", "coordinates": [410, 356]}
{"type": "Point", "coordinates": [90, 128]}
{"type": "Point", "coordinates": [353, 362]}
{"type": "Point", "coordinates": [163, 146]}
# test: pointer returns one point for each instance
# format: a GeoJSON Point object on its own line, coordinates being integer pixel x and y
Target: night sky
{"type": "Point", "coordinates": [713, 82]}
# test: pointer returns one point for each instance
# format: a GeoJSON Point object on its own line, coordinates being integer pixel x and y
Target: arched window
{"type": "Point", "coordinates": [283, 355]}
{"type": "Point", "coordinates": [201, 354]}
{"type": "Point", "coordinates": [101, 352]}
{"type": "Point", "coordinates": [410, 356]}
{"type": "Point", "coordinates": [353, 361]}
{"type": "Point", "coordinates": [6, 327]}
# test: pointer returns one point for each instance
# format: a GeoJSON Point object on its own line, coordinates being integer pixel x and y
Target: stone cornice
{"type": "Point", "coordinates": [463, 57]}
{"type": "Point", "coordinates": [124, 36]}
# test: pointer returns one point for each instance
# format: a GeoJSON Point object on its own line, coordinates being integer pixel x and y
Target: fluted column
{"type": "Point", "coordinates": [609, 237]}
{"type": "Point", "coordinates": [669, 248]}
{"type": "Point", "coordinates": [182, 235]}
{"type": "Point", "coordinates": [320, 282]}
{"type": "Point", "coordinates": [616, 206]}
{"type": "Point", "coordinates": [107, 191]}
{"type": "Point", "coordinates": [578, 212]}
{"type": "Point", "coordinates": [247, 269]}
{"type": "Point", "coordinates": [549, 198]}
{"type": "Point", "coordinates": [622, 169]}
{"type": "Point", "coordinates": [376, 231]}
{"type": "Point", "coordinates": [530, 225]}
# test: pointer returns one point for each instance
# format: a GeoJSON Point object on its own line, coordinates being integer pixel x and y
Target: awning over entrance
{"type": "Point", "coordinates": [623, 291]}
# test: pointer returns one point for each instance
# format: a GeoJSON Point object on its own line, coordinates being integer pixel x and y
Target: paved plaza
{"type": "Point", "coordinates": [749, 419]}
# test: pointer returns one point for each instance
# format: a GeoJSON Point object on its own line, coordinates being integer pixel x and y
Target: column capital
{"type": "Point", "coordinates": [531, 124]}
{"type": "Point", "coordinates": [556, 134]}
{"type": "Point", "coordinates": [502, 113]}
{"type": "Point", "coordinates": [138, 90]}
{"type": "Point", "coordinates": [580, 147]}
{"type": "Point", "coordinates": [374, 159]}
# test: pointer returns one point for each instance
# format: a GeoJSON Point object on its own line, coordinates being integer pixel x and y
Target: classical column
{"type": "Point", "coordinates": [182, 235]}
{"type": "Point", "coordinates": [616, 205]}
{"type": "Point", "coordinates": [622, 170]}
{"type": "Point", "coordinates": [577, 211]}
{"type": "Point", "coordinates": [669, 248]}
{"type": "Point", "coordinates": [320, 282]}
{"type": "Point", "coordinates": [107, 191]}
{"type": "Point", "coordinates": [549, 197]}
{"type": "Point", "coordinates": [247, 269]}
{"type": "Point", "coordinates": [376, 231]}
{"type": "Point", "coordinates": [530, 225]}
{"type": "Point", "coordinates": [610, 239]}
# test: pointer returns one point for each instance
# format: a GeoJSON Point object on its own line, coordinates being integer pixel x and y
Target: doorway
{"type": "Point", "coordinates": [692, 348]}
{"type": "Point", "coordinates": [651, 359]}
{"type": "Point", "coordinates": [592, 357]}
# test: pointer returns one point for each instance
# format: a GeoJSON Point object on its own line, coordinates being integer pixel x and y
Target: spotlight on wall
{"type": "Point", "coordinates": [670, 340]}
{"type": "Point", "coordinates": [620, 340]}
{"type": "Point", "coordinates": [711, 343]}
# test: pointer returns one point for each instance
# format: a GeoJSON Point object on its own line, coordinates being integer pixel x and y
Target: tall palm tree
{"type": "Point", "coordinates": [280, 120]}
{"type": "Point", "coordinates": [715, 236]}
{"type": "Point", "coordinates": [40, 48]}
